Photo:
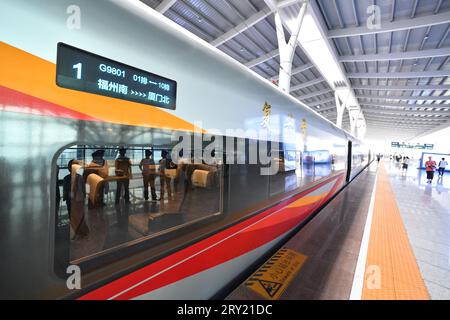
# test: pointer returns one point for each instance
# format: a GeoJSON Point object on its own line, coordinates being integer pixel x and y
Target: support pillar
{"type": "Point", "coordinates": [287, 50]}
{"type": "Point", "coordinates": [340, 108]}
{"type": "Point", "coordinates": [354, 115]}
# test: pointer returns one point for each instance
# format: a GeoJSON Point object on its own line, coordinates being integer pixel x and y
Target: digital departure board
{"type": "Point", "coordinates": [84, 71]}
{"type": "Point", "coordinates": [424, 146]}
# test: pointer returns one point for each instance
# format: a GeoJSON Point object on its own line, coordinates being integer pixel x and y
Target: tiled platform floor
{"type": "Point", "coordinates": [425, 211]}
{"type": "Point", "coordinates": [331, 241]}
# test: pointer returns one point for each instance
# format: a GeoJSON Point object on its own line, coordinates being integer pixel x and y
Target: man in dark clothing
{"type": "Point", "coordinates": [123, 169]}
{"type": "Point", "coordinates": [164, 164]}
{"type": "Point", "coordinates": [148, 169]}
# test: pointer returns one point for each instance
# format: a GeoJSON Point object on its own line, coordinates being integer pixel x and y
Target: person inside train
{"type": "Point", "coordinates": [99, 166]}
{"type": "Point", "coordinates": [166, 164]}
{"type": "Point", "coordinates": [148, 168]}
{"type": "Point", "coordinates": [123, 170]}
{"type": "Point", "coordinates": [74, 192]}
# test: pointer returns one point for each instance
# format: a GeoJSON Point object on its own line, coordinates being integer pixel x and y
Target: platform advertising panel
{"type": "Point", "coordinates": [436, 157]}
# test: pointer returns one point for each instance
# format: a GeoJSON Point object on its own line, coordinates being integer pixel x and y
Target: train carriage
{"type": "Point", "coordinates": [216, 220]}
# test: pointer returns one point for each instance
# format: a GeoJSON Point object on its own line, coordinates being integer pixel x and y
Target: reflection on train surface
{"type": "Point", "coordinates": [116, 208]}
{"type": "Point", "coordinates": [107, 208]}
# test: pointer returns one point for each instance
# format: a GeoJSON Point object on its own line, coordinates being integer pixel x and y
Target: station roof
{"type": "Point", "coordinates": [398, 69]}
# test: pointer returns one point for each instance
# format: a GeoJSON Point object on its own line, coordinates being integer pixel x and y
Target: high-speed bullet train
{"type": "Point", "coordinates": [81, 80]}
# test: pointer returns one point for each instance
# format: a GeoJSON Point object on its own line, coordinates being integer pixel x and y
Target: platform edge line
{"type": "Point", "coordinates": [358, 277]}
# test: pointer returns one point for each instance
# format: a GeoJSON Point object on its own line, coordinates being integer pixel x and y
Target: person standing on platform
{"type": "Point", "coordinates": [430, 167]}
{"type": "Point", "coordinates": [442, 165]}
{"type": "Point", "coordinates": [148, 169]}
{"type": "Point", "coordinates": [405, 163]}
{"type": "Point", "coordinates": [123, 170]}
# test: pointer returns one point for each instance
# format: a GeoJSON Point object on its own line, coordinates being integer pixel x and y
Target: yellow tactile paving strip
{"type": "Point", "coordinates": [391, 268]}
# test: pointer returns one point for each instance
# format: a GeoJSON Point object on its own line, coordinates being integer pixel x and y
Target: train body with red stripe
{"type": "Point", "coordinates": [220, 220]}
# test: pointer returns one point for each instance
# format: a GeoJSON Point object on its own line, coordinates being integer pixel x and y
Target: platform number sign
{"type": "Point", "coordinates": [78, 67]}
{"type": "Point", "coordinates": [80, 70]}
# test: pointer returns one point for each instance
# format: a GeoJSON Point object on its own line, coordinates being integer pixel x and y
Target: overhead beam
{"type": "Point", "coordinates": [442, 114]}
{"type": "Point", "coordinates": [396, 117]}
{"type": "Point", "coordinates": [373, 115]}
{"type": "Point", "coordinates": [397, 25]}
{"type": "Point", "coordinates": [425, 98]}
{"type": "Point", "coordinates": [287, 3]}
{"type": "Point", "coordinates": [393, 127]}
{"type": "Point", "coordinates": [430, 53]}
{"type": "Point", "coordinates": [401, 125]}
{"type": "Point", "coordinates": [164, 6]}
{"type": "Point", "coordinates": [416, 74]}
{"type": "Point", "coordinates": [409, 120]}
{"type": "Point", "coordinates": [374, 129]}
{"type": "Point", "coordinates": [243, 26]}
{"type": "Point", "coordinates": [412, 122]}
{"type": "Point", "coordinates": [383, 127]}
{"type": "Point", "coordinates": [314, 94]}
{"type": "Point", "coordinates": [307, 84]}
{"type": "Point", "coordinates": [297, 70]}
{"type": "Point", "coordinates": [403, 105]}
{"type": "Point", "coordinates": [402, 88]}
{"type": "Point", "coordinates": [328, 109]}
{"type": "Point", "coordinates": [320, 102]}
{"type": "Point", "coordinates": [313, 105]}
{"type": "Point", "coordinates": [398, 132]}
{"type": "Point", "coordinates": [262, 59]}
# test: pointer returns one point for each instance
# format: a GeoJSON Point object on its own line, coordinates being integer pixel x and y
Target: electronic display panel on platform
{"type": "Point", "coordinates": [84, 71]}
{"type": "Point", "coordinates": [424, 146]}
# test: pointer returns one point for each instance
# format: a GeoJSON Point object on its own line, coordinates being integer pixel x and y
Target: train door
{"type": "Point", "coordinates": [349, 160]}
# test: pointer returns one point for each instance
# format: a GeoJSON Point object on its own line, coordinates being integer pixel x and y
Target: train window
{"type": "Point", "coordinates": [112, 195]}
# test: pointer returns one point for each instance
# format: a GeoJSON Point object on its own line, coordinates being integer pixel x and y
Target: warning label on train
{"type": "Point", "coordinates": [272, 279]}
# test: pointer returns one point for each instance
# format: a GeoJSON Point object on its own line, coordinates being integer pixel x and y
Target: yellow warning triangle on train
{"type": "Point", "coordinates": [270, 287]}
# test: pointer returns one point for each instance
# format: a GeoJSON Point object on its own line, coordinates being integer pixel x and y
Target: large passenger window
{"type": "Point", "coordinates": [110, 196]}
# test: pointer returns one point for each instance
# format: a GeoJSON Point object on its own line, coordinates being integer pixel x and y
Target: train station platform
{"type": "Point", "coordinates": [384, 237]}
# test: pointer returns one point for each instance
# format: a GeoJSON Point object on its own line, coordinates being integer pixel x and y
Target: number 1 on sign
{"type": "Point", "coordinates": [78, 67]}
